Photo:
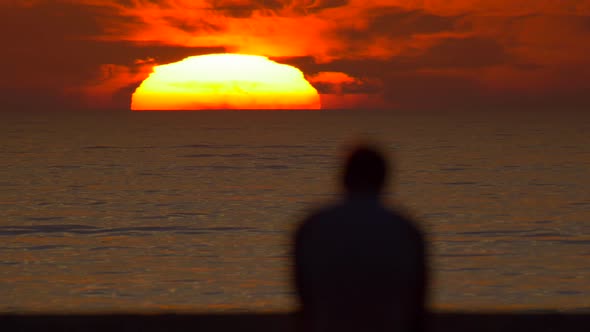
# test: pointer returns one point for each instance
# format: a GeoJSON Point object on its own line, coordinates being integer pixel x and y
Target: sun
{"type": "Point", "coordinates": [225, 81]}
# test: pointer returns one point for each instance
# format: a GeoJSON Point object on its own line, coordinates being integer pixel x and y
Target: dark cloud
{"type": "Point", "coordinates": [83, 57]}
{"type": "Point", "coordinates": [59, 52]}
{"type": "Point", "coordinates": [396, 22]}
{"type": "Point", "coordinates": [448, 53]}
{"type": "Point", "coordinates": [360, 69]}
{"type": "Point", "coordinates": [411, 90]}
{"type": "Point", "coordinates": [245, 9]}
{"type": "Point", "coordinates": [307, 64]}
{"type": "Point", "coordinates": [320, 5]}
{"type": "Point", "coordinates": [359, 87]}
{"type": "Point", "coordinates": [473, 52]}
{"type": "Point", "coordinates": [444, 76]}
{"type": "Point", "coordinates": [198, 25]}
{"type": "Point", "coordinates": [436, 90]}
{"type": "Point", "coordinates": [122, 97]}
{"type": "Point", "coordinates": [17, 98]}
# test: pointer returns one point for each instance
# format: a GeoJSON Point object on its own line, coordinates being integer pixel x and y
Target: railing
{"type": "Point", "coordinates": [283, 322]}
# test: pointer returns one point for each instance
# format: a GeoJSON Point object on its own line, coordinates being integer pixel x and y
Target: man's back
{"type": "Point", "coordinates": [358, 265]}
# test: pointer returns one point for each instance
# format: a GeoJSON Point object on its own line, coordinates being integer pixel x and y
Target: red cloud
{"type": "Point", "coordinates": [497, 47]}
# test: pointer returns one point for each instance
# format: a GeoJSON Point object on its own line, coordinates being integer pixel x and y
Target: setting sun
{"type": "Point", "coordinates": [225, 81]}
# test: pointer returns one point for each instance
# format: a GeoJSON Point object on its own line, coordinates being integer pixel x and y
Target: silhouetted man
{"type": "Point", "coordinates": [358, 265]}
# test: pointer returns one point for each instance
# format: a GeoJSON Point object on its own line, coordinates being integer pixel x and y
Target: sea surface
{"type": "Point", "coordinates": [194, 211]}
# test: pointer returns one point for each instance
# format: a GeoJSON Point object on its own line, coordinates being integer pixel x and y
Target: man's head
{"type": "Point", "coordinates": [365, 171]}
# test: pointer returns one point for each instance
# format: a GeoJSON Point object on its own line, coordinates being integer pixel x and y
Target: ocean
{"type": "Point", "coordinates": [194, 211]}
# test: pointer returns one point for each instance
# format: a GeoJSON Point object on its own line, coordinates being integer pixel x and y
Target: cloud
{"type": "Point", "coordinates": [382, 52]}
{"type": "Point", "coordinates": [396, 22]}
{"type": "Point", "coordinates": [103, 89]}
{"type": "Point", "coordinates": [332, 77]}
{"type": "Point", "coordinates": [471, 52]}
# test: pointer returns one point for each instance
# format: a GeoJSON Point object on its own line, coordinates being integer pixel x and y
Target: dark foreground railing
{"type": "Point", "coordinates": [439, 322]}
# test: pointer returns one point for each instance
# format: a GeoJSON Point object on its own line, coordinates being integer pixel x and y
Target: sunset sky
{"type": "Point", "coordinates": [403, 54]}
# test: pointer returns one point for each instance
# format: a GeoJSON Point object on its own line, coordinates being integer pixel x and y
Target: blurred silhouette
{"type": "Point", "coordinates": [358, 265]}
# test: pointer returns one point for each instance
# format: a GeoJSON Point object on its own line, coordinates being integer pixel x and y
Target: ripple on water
{"type": "Point", "coordinates": [92, 230]}
{"type": "Point", "coordinates": [112, 147]}
{"type": "Point", "coordinates": [219, 155]}
{"type": "Point", "coordinates": [453, 169]}
{"type": "Point", "coordinates": [575, 242]}
{"type": "Point", "coordinates": [100, 147]}
{"type": "Point", "coordinates": [46, 218]}
{"type": "Point", "coordinates": [537, 234]}
{"type": "Point", "coordinates": [475, 255]}
{"type": "Point", "coordinates": [47, 247]}
{"type": "Point", "coordinates": [208, 146]}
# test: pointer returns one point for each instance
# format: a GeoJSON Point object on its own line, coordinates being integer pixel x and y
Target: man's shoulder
{"type": "Point", "coordinates": [341, 212]}
{"type": "Point", "coordinates": [318, 215]}
{"type": "Point", "coordinates": [325, 211]}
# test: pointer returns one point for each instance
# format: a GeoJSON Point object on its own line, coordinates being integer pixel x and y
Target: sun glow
{"type": "Point", "coordinates": [225, 81]}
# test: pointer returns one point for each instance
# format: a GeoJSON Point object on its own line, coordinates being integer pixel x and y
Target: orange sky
{"type": "Point", "coordinates": [406, 54]}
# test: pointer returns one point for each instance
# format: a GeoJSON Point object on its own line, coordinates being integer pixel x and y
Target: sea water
{"type": "Point", "coordinates": [194, 211]}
